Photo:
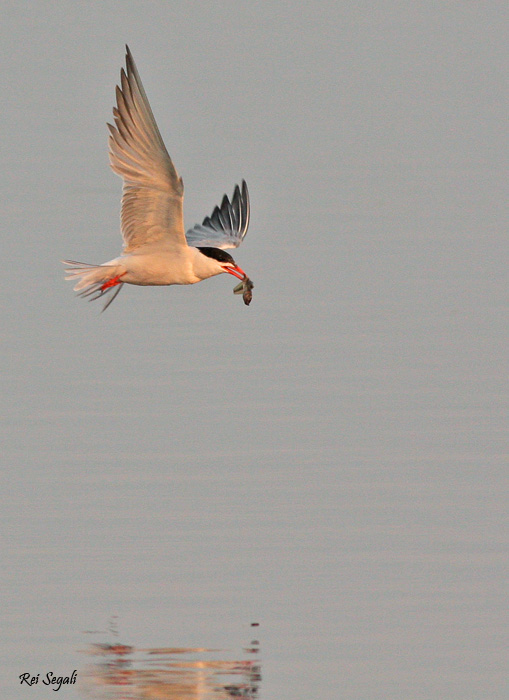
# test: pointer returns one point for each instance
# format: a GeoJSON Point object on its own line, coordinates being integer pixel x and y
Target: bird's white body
{"type": "Point", "coordinates": [155, 265]}
{"type": "Point", "coordinates": [157, 250]}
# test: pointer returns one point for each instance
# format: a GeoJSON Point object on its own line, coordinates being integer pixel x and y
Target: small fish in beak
{"type": "Point", "coordinates": [245, 288]}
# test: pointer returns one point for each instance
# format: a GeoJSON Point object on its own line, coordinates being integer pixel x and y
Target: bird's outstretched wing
{"type": "Point", "coordinates": [227, 225]}
{"type": "Point", "coordinates": [153, 191]}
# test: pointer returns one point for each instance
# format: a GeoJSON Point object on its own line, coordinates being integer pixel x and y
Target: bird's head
{"type": "Point", "coordinates": [224, 261]}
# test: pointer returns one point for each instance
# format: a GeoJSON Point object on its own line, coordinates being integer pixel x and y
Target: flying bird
{"type": "Point", "coordinates": [157, 250]}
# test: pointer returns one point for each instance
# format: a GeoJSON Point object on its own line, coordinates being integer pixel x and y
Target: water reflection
{"type": "Point", "coordinates": [123, 672]}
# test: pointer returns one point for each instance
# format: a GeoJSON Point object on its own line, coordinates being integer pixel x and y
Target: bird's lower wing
{"type": "Point", "coordinates": [227, 225]}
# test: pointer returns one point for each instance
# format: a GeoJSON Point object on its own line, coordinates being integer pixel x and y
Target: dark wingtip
{"type": "Point", "coordinates": [129, 61]}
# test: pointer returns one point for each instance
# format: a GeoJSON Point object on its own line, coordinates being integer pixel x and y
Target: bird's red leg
{"type": "Point", "coordinates": [112, 282]}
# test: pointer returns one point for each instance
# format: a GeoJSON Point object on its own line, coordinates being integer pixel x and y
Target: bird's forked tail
{"type": "Point", "coordinates": [95, 280]}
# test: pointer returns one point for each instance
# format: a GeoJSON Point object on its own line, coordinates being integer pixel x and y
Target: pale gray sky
{"type": "Point", "coordinates": [330, 461]}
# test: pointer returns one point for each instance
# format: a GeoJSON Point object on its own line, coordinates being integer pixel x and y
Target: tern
{"type": "Point", "coordinates": [157, 250]}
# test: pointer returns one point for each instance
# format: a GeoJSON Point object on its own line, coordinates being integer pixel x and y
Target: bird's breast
{"type": "Point", "coordinates": [158, 269]}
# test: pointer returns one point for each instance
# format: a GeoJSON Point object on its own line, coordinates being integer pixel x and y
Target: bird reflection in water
{"type": "Point", "coordinates": [122, 672]}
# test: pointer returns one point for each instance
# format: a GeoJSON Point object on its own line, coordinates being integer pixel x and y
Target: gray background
{"type": "Point", "coordinates": [329, 462]}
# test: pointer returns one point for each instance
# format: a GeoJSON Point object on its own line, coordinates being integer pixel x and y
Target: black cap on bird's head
{"type": "Point", "coordinates": [225, 260]}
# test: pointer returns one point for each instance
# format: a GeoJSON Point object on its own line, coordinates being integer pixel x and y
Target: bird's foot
{"type": "Point", "coordinates": [111, 283]}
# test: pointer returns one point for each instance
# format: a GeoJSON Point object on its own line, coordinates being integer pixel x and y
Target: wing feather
{"type": "Point", "coordinates": [152, 197]}
{"type": "Point", "coordinates": [227, 225]}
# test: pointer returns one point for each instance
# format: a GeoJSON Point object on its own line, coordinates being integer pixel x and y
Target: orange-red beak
{"type": "Point", "coordinates": [236, 272]}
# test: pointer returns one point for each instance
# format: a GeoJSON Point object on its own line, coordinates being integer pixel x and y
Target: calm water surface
{"type": "Point", "coordinates": [330, 462]}
{"type": "Point", "coordinates": [117, 670]}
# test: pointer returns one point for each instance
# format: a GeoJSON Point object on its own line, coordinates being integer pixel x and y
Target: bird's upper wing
{"type": "Point", "coordinates": [227, 225]}
{"type": "Point", "coordinates": [153, 192]}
